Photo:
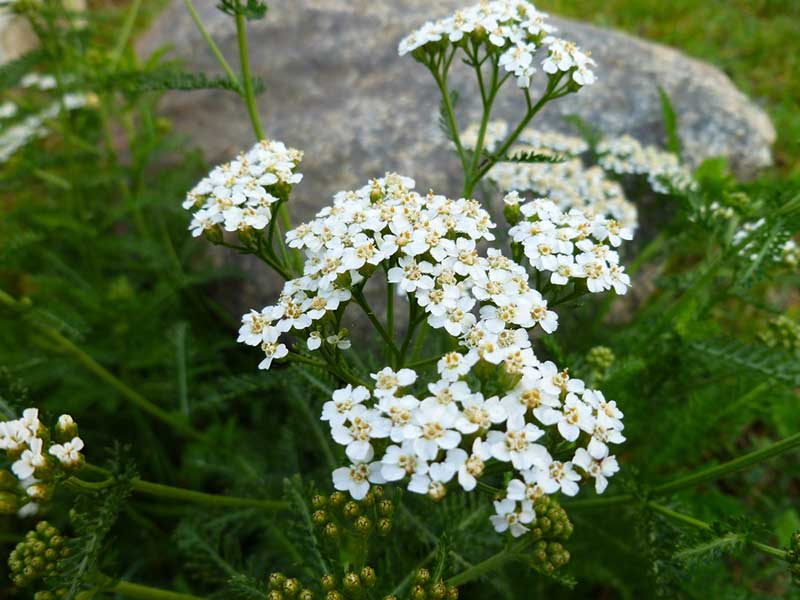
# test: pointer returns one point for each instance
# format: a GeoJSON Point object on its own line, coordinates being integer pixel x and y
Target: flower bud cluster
{"type": "Point", "coordinates": [37, 557]}
{"type": "Point", "coordinates": [515, 30]}
{"type": "Point", "coordinates": [353, 585]}
{"type": "Point", "coordinates": [600, 359]}
{"type": "Point", "coordinates": [425, 587]}
{"type": "Point", "coordinates": [625, 155]}
{"type": "Point", "coordinates": [570, 245]}
{"type": "Point", "coordinates": [239, 195]}
{"type": "Point", "coordinates": [338, 517]}
{"type": "Point", "coordinates": [37, 457]}
{"type": "Point", "coordinates": [783, 333]}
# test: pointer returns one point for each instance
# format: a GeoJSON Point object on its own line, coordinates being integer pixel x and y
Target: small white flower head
{"type": "Point", "coordinates": [599, 469]}
{"type": "Point", "coordinates": [30, 460]}
{"type": "Point", "coordinates": [337, 410]}
{"type": "Point", "coordinates": [512, 516]}
{"type": "Point", "coordinates": [356, 478]}
{"type": "Point", "coordinates": [68, 453]}
{"type": "Point", "coordinates": [238, 194]}
{"type": "Point", "coordinates": [388, 381]}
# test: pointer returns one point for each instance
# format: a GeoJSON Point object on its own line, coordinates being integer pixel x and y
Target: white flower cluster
{"type": "Point", "coordinates": [788, 253]}
{"type": "Point", "coordinates": [570, 245]}
{"type": "Point", "coordinates": [27, 442]}
{"type": "Point", "coordinates": [451, 431]}
{"type": "Point", "coordinates": [427, 244]}
{"type": "Point", "coordinates": [517, 30]}
{"type": "Point", "coordinates": [34, 126]}
{"type": "Point", "coordinates": [239, 194]}
{"type": "Point", "coordinates": [625, 155]}
{"type": "Point", "coordinates": [569, 184]}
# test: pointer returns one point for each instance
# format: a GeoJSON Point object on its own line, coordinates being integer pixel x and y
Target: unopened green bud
{"type": "Point", "coordinates": [351, 510]}
{"type": "Point", "coordinates": [386, 508]}
{"type": "Point", "coordinates": [40, 492]}
{"type": "Point", "coordinates": [351, 582]}
{"type": "Point", "coordinates": [600, 358]}
{"type": "Point", "coordinates": [319, 501]}
{"type": "Point", "coordinates": [418, 593]}
{"type": "Point", "coordinates": [377, 491]}
{"type": "Point", "coordinates": [291, 587]}
{"type": "Point", "coordinates": [390, 597]}
{"type": "Point", "coordinates": [452, 593]}
{"type": "Point", "coordinates": [338, 498]}
{"type": "Point", "coordinates": [422, 576]}
{"type": "Point", "coordinates": [512, 212]}
{"type": "Point", "coordinates": [334, 595]}
{"type": "Point", "coordinates": [275, 595]}
{"type": "Point", "coordinates": [214, 234]}
{"type": "Point", "coordinates": [438, 590]}
{"type": "Point", "coordinates": [328, 582]}
{"type": "Point", "coordinates": [306, 594]}
{"type": "Point", "coordinates": [65, 429]}
{"type": "Point", "coordinates": [331, 531]}
{"type": "Point", "coordinates": [276, 581]}
{"type": "Point", "coordinates": [320, 517]}
{"type": "Point", "coordinates": [368, 577]}
{"type": "Point", "coordinates": [363, 525]}
{"type": "Point", "coordinates": [9, 503]}
{"type": "Point", "coordinates": [384, 526]}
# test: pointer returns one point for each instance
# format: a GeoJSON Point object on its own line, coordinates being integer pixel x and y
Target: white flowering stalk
{"type": "Point", "coordinates": [20, 133]}
{"type": "Point", "coordinates": [625, 155]}
{"type": "Point", "coordinates": [240, 195]}
{"type": "Point", "coordinates": [569, 245]}
{"type": "Point", "coordinates": [37, 457]}
{"type": "Point", "coordinates": [488, 406]}
{"type": "Point", "coordinates": [499, 39]}
{"type": "Point", "coordinates": [426, 246]}
{"type": "Point", "coordinates": [515, 30]}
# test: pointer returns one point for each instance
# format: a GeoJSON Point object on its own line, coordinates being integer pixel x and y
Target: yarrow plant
{"type": "Point", "coordinates": [488, 403]}
{"type": "Point", "coordinates": [39, 458]}
{"type": "Point", "coordinates": [460, 360]}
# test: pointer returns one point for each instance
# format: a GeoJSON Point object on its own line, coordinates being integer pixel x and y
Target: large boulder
{"type": "Point", "coordinates": [337, 89]}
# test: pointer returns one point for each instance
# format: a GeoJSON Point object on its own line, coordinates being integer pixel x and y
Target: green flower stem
{"type": "Point", "coordinates": [709, 474]}
{"type": "Point", "coordinates": [532, 111]}
{"type": "Point", "coordinates": [136, 590]}
{"type": "Point", "coordinates": [126, 32]}
{"type": "Point", "coordinates": [390, 293]}
{"type": "Point", "coordinates": [691, 521]}
{"type": "Point", "coordinates": [490, 564]}
{"type": "Point", "coordinates": [450, 116]}
{"type": "Point", "coordinates": [177, 422]}
{"type": "Point", "coordinates": [159, 490]}
{"type": "Point", "coordinates": [737, 464]}
{"type": "Point", "coordinates": [358, 296]}
{"type": "Point", "coordinates": [336, 370]}
{"type": "Point", "coordinates": [212, 46]}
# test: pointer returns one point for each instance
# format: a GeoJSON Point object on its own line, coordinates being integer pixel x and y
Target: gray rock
{"type": "Point", "coordinates": [338, 90]}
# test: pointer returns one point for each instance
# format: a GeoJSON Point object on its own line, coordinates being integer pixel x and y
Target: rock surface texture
{"type": "Point", "coordinates": [337, 90]}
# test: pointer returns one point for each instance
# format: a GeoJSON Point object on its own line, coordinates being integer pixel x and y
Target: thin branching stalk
{"type": "Point", "coordinates": [710, 474]}
{"type": "Point", "coordinates": [60, 342]}
{"type": "Point", "coordinates": [169, 492]}
{"type": "Point", "coordinates": [693, 522]}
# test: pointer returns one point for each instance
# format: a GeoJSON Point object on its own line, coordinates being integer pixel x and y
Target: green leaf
{"type": "Point", "coordinates": [670, 123]}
